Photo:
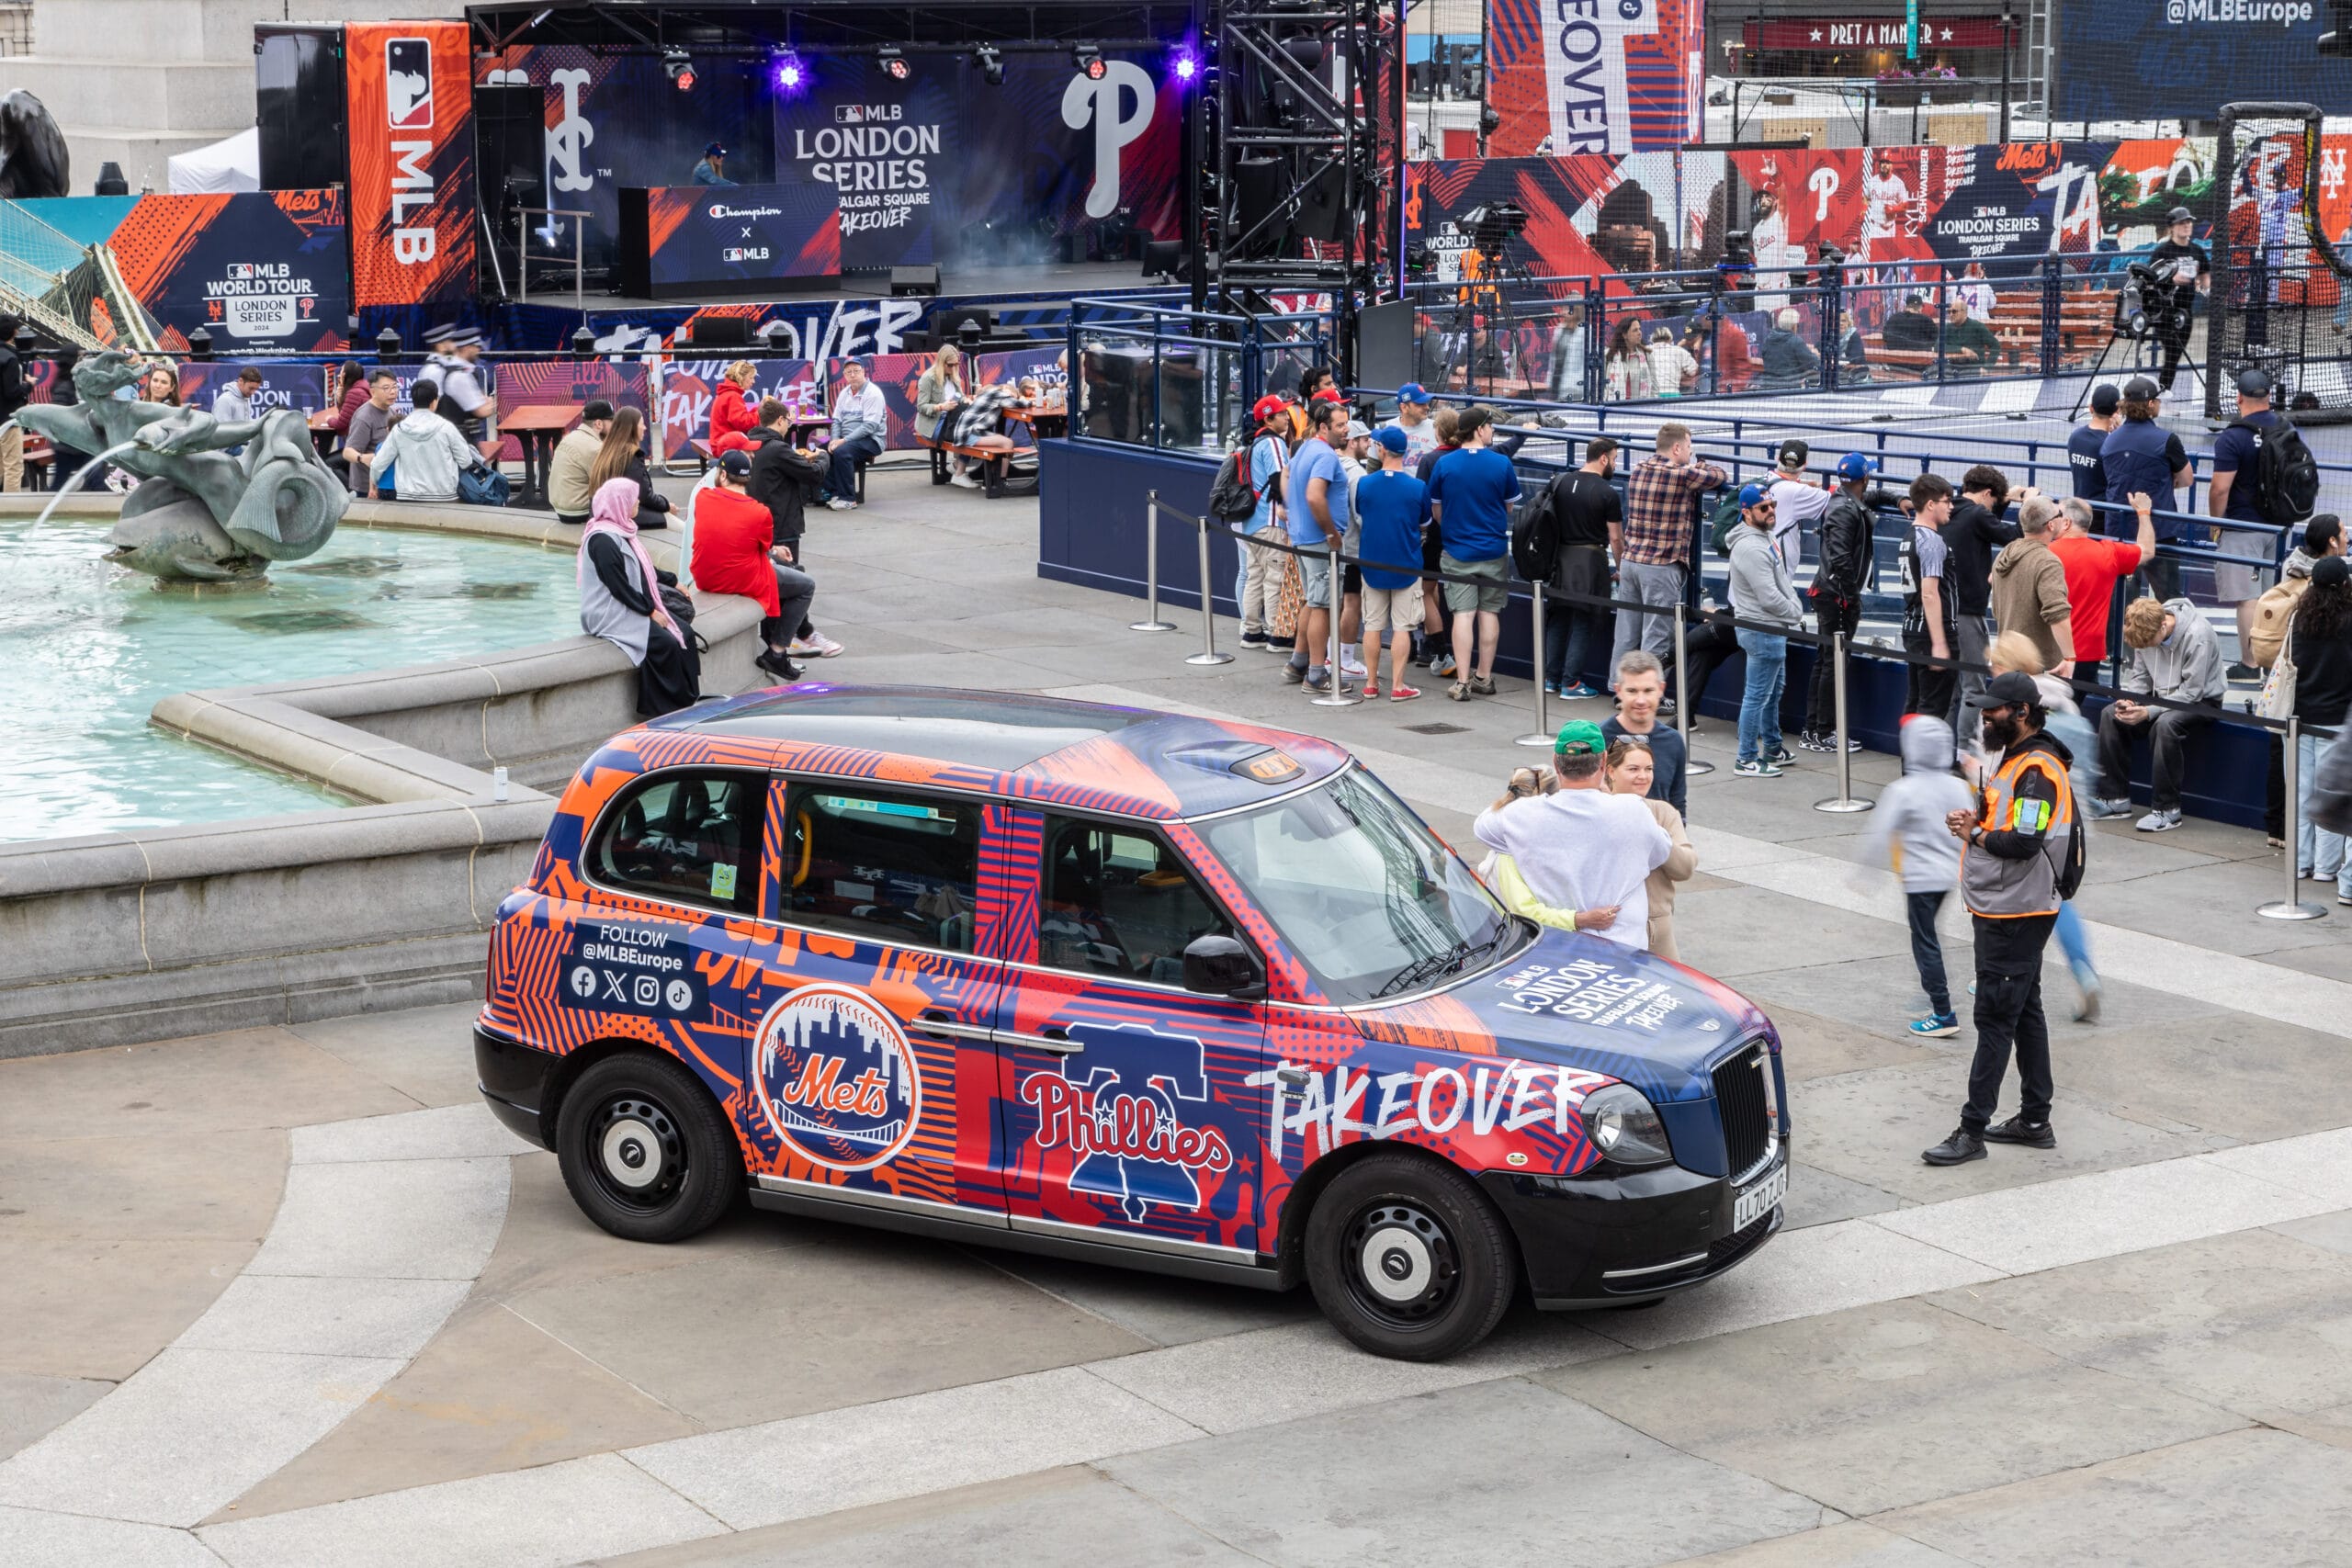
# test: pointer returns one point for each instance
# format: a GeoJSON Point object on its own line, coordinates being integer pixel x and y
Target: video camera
{"type": "Point", "coordinates": [2150, 301]}
{"type": "Point", "coordinates": [1493, 226]}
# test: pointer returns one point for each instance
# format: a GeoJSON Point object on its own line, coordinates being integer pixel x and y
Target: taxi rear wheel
{"type": "Point", "coordinates": [645, 1151]}
{"type": "Point", "coordinates": [1407, 1259]}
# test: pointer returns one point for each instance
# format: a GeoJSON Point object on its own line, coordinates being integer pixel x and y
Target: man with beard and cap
{"type": "Point", "coordinates": [2016, 850]}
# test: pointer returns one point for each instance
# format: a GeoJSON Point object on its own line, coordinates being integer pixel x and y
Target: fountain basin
{"type": "Point", "coordinates": [111, 938]}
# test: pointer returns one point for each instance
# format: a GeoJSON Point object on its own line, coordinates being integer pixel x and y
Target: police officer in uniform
{"type": "Point", "coordinates": [2012, 850]}
{"type": "Point", "coordinates": [2192, 276]}
{"type": "Point", "coordinates": [2142, 457]}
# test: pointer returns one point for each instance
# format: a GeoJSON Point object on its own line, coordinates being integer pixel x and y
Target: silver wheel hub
{"type": "Point", "coordinates": [1396, 1264]}
{"type": "Point", "coordinates": [632, 1153]}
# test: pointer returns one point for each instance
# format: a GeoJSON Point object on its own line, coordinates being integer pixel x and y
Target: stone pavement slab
{"type": "Point", "coordinates": [326, 1317]}
{"type": "Point", "coordinates": [29, 1536]}
{"type": "Point", "coordinates": [425, 1052]}
{"type": "Point", "coordinates": [1159, 1308]}
{"type": "Point", "coordinates": [1850, 1544]}
{"type": "Point", "coordinates": [864, 1317]}
{"type": "Point", "coordinates": [902, 1448]}
{"type": "Point", "coordinates": [251, 1077]}
{"type": "Point", "coordinates": [100, 1307]}
{"type": "Point", "coordinates": [2251, 1496]}
{"type": "Point", "coordinates": [1502, 1471]}
{"type": "Point", "coordinates": [464, 1131]}
{"type": "Point", "coordinates": [32, 1404]}
{"type": "Point", "coordinates": [1819, 1197]}
{"type": "Point", "coordinates": [530, 1518]}
{"type": "Point", "coordinates": [1885, 1405]}
{"type": "Point", "coordinates": [406, 1219]}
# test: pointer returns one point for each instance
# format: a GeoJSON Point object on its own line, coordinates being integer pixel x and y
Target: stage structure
{"type": "Point", "coordinates": [2282, 283]}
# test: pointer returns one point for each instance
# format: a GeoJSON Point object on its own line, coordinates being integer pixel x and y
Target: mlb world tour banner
{"type": "Point", "coordinates": [260, 271]}
{"type": "Point", "coordinates": [410, 107]}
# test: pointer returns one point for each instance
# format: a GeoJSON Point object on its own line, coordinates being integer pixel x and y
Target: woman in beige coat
{"type": "Point", "coordinates": [1631, 769]}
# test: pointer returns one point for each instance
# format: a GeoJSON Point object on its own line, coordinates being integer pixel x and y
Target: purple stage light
{"type": "Point", "coordinates": [790, 75]}
{"type": "Point", "coordinates": [1186, 67]}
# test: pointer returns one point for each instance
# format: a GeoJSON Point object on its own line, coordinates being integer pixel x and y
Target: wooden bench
{"type": "Point", "coordinates": [998, 481]}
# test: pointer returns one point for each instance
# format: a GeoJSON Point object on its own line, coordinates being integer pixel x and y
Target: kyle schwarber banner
{"type": "Point", "coordinates": [411, 101]}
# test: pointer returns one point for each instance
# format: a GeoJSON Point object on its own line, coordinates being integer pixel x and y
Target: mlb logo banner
{"type": "Point", "coordinates": [410, 108]}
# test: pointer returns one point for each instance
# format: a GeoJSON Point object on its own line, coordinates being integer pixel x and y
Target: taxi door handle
{"type": "Point", "coordinates": [1293, 1077]}
{"type": "Point", "coordinates": [1055, 1041]}
{"type": "Point", "coordinates": [937, 1022]}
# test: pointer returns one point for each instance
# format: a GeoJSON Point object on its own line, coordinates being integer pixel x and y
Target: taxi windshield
{"type": "Point", "coordinates": [1366, 896]}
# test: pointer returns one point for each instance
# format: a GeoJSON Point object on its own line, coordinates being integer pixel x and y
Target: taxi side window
{"type": "Point", "coordinates": [686, 838]}
{"type": "Point", "coordinates": [881, 866]}
{"type": "Point", "coordinates": [1114, 901]}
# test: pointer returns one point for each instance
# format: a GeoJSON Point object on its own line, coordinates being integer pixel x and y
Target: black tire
{"type": "Point", "coordinates": [645, 1151]}
{"type": "Point", "coordinates": [1407, 1259]}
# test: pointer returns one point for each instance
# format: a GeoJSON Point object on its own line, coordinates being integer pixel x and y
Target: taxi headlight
{"type": "Point", "coordinates": [1626, 1128]}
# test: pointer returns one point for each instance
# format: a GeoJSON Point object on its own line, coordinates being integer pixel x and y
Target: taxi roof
{"type": "Point", "coordinates": [1129, 761]}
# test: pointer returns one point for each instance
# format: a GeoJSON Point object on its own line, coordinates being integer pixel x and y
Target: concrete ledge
{"type": "Point", "coordinates": [117, 938]}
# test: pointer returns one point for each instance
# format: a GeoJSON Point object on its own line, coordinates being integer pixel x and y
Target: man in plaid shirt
{"type": "Point", "coordinates": [1660, 497]}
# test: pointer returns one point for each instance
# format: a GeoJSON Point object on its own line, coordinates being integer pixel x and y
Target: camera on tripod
{"type": "Point", "coordinates": [1493, 226]}
{"type": "Point", "coordinates": [2148, 304]}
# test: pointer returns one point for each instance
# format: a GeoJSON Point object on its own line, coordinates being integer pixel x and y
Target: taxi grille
{"type": "Point", "coordinates": [1743, 1102]}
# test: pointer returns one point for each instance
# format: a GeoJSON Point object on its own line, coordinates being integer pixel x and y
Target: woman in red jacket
{"type": "Point", "coordinates": [735, 552]}
{"type": "Point", "coordinates": [730, 413]}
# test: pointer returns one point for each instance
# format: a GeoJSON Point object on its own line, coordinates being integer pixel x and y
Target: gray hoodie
{"type": "Point", "coordinates": [1907, 829]}
{"type": "Point", "coordinates": [2187, 666]}
{"type": "Point", "coordinates": [1761, 590]}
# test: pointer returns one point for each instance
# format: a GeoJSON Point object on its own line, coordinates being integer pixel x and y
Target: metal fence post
{"type": "Point", "coordinates": [1690, 764]}
{"type": "Point", "coordinates": [1208, 654]}
{"type": "Point", "coordinates": [1151, 621]}
{"type": "Point", "coordinates": [1338, 695]}
{"type": "Point", "coordinates": [1845, 801]}
{"type": "Point", "coordinates": [1542, 735]}
{"type": "Point", "coordinates": [2292, 906]}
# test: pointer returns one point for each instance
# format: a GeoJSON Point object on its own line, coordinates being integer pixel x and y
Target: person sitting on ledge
{"type": "Point", "coordinates": [2174, 656]}
{"type": "Point", "coordinates": [570, 490]}
{"type": "Point", "coordinates": [424, 450]}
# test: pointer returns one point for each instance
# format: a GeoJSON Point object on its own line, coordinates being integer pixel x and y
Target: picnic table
{"type": "Point", "coordinates": [537, 427]}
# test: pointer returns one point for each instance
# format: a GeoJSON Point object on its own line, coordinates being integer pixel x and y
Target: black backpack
{"type": "Point", "coordinates": [1233, 498]}
{"type": "Point", "coordinates": [1536, 536]}
{"type": "Point", "coordinates": [2286, 475]}
{"type": "Point", "coordinates": [1726, 522]}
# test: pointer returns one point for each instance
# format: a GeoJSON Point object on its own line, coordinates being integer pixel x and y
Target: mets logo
{"type": "Point", "coordinates": [836, 1078]}
{"type": "Point", "coordinates": [1118, 1115]}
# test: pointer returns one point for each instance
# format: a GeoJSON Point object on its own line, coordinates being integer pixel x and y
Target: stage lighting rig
{"type": "Point", "coordinates": [788, 71]}
{"type": "Point", "coordinates": [1188, 66]}
{"type": "Point", "coordinates": [894, 63]}
{"type": "Point", "coordinates": [991, 64]}
{"type": "Point", "coordinates": [1088, 59]}
{"type": "Point", "coordinates": [680, 66]}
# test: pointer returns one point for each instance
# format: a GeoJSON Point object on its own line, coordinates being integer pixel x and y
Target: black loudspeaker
{"type": "Point", "coordinates": [1163, 258]}
{"type": "Point", "coordinates": [298, 107]}
{"type": "Point", "coordinates": [916, 282]}
{"type": "Point", "coordinates": [1259, 186]}
{"type": "Point", "coordinates": [1321, 214]}
{"type": "Point", "coordinates": [1384, 344]}
{"type": "Point", "coordinates": [948, 324]}
{"type": "Point", "coordinates": [721, 331]}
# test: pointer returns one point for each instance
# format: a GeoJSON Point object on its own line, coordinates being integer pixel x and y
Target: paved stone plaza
{"type": "Point", "coordinates": [290, 1296]}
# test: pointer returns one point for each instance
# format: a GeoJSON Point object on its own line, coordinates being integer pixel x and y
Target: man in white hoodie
{"type": "Point", "coordinates": [425, 449]}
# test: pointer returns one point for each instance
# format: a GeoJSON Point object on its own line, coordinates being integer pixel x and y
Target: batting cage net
{"type": "Point", "coordinates": [2281, 293]}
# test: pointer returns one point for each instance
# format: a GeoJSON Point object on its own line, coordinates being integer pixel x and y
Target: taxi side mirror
{"type": "Point", "coordinates": [1220, 965]}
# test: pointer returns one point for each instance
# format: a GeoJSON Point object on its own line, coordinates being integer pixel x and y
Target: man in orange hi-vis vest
{"type": "Point", "coordinates": [2020, 857]}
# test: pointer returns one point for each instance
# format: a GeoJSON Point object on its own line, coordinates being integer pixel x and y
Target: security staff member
{"type": "Point", "coordinates": [2192, 276]}
{"type": "Point", "coordinates": [2013, 848]}
{"type": "Point", "coordinates": [2142, 457]}
{"type": "Point", "coordinates": [2083, 441]}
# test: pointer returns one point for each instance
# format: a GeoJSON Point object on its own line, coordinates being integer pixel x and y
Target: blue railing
{"type": "Point", "coordinates": [1172, 379]}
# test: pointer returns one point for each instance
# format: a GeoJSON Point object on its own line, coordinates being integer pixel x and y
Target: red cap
{"type": "Point", "coordinates": [1328, 395]}
{"type": "Point", "coordinates": [1265, 408]}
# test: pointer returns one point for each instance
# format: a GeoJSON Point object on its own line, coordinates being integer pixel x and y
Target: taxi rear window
{"type": "Point", "coordinates": [882, 866]}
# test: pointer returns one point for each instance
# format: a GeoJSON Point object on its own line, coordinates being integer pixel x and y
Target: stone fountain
{"type": "Point", "coordinates": [217, 501]}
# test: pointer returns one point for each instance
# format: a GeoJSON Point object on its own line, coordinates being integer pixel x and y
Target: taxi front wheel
{"type": "Point", "coordinates": [645, 1150]}
{"type": "Point", "coordinates": [1407, 1259]}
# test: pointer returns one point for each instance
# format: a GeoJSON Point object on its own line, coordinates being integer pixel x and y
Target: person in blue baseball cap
{"type": "Point", "coordinates": [1413, 419]}
{"type": "Point", "coordinates": [1838, 588]}
{"type": "Point", "coordinates": [1389, 506]}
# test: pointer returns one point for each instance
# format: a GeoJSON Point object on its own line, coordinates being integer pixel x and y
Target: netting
{"type": "Point", "coordinates": [2281, 301]}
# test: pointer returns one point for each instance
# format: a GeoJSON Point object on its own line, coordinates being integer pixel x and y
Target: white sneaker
{"type": "Point", "coordinates": [816, 645]}
{"type": "Point", "coordinates": [2158, 821]}
{"type": "Point", "coordinates": [964, 481]}
{"type": "Point", "coordinates": [1351, 668]}
{"type": "Point", "coordinates": [842, 503]}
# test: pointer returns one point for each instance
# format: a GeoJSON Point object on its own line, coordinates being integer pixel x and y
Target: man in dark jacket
{"type": "Point", "coordinates": [784, 481]}
{"type": "Point", "coordinates": [1911, 329]}
{"type": "Point", "coordinates": [1789, 361]}
{"type": "Point", "coordinates": [1837, 587]}
{"type": "Point", "coordinates": [1973, 537]}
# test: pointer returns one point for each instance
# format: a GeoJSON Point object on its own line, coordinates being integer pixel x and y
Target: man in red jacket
{"type": "Point", "coordinates": [735, 552]}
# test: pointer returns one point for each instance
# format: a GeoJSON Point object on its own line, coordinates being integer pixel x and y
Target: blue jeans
{"type": "Point", "coordinates": [1759, 703]}
{"type": "Point", "coordinates": [1569, 638]}
{"type": "Point", "coordinates": [841, 465]}
{"type": "Point", "coordinates": [2074, 941]}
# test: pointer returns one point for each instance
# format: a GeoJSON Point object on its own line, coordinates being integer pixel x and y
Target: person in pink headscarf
{"type": "Point", "coordinates": [620, 601]}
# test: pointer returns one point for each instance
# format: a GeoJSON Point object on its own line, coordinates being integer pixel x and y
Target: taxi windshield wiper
{"type": "Point", "coordinates": [1429, 968]}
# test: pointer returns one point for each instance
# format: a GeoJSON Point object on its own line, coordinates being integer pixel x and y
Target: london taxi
{"type": "Point", "coordinates": [1114, 985]}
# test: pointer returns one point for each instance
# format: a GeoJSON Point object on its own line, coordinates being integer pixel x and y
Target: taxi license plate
{"type": "Point", "coordinates": [1759, 1198]}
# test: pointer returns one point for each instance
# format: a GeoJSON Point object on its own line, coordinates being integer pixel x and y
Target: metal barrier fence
{"type": "Point", "coordinates": [1339, 694]}
{"type": "Point", "coordinates": [1168, 378]}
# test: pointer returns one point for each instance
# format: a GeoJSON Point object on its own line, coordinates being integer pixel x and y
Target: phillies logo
{"type": "Point", "coordinates": [1103, 105]}
{"type": "Point", "coordinates": [408, 84]}
{"type": "Point", "coordinates": [1121, 1123]}
{"type": "Point", "coordinates": [836, 1078]}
